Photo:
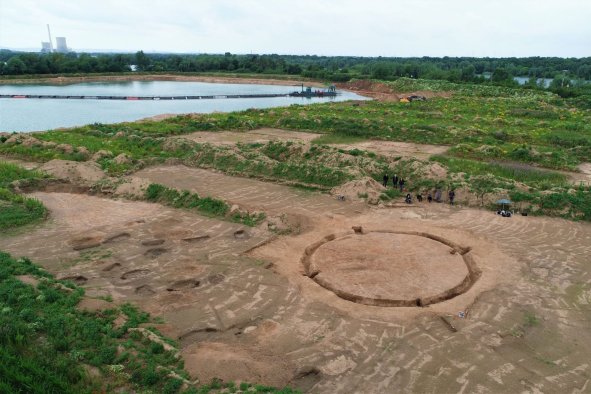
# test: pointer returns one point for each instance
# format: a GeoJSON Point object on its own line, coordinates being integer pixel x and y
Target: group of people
{"type": "Point", "coordinates": [399, 182]}
{"type": "Point", "coordinates": [396, 182]}
{"type": "Point", "coordinates": [451, 196]}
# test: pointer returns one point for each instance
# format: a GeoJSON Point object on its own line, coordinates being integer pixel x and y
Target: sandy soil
{"type": "Point", "coordinates": [403, 149]}
{"type": "Point", "coordinates": [259, 135]}
{"type": "Point", "coordinates": [392, 148]}
{"type": "Point", "coordinates": [584, 175]}
{"type": "Point", "coordinates": [388, 266]}
{"type": "Point", "coordinates": [238, 301]}
{"type": "Point", "coordinates": [254, 195]}
{"type": "Point", "coordinates": [163, 77]}
{"type": "Point", "coordinates": [383, 92]}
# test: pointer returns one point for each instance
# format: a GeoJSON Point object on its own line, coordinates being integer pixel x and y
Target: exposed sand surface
{"type": "Point", "coordinates": [252, 314]}
{"type": "Point", "coordinates": [264, 135]}
{"type": "Point", "coordinates": [259, 135]}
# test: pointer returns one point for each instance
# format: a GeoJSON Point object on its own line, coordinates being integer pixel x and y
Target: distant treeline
{"type": "Point", "coordinates": [337, 68]}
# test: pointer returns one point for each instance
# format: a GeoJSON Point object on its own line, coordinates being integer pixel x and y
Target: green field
{"type": "Point", "coordinates": [15, 209]}
{"type": "Point", "coordinates": [514, 136]}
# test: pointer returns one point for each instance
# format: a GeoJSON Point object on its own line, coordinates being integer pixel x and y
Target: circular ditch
{"type": "Point", "coordinates": [388, 268]}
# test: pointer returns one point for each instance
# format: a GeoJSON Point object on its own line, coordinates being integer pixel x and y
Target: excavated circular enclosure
{"type": "Point", "coordinates": [391, 269]}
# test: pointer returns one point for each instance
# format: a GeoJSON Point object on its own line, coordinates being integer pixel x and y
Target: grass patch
{"type": "Point", "coordinates": [185, 199]}
{"type": "Point", "coordinates": [390, 194]}
{"type": "Point", "coordinates": [334, 138]}
{"type": "Point", "coordinates": [514, 171]}
{"type": "Point", "coordinates": [284, 161]}
{"type": "Point", "coordinates": [491, 130]}
{"type": "Point", "coordinates": [17, 210]}
{"type": "Point", "coordinates": [208, 206]}
{"type": "Point", "coordinates": [530, 320]}
{"type": "Point", "coordinates": [10, 172]}
{"type": "Point", "coordinates": [45, 340]}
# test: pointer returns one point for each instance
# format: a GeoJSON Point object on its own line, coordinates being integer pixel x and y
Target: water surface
{"type": "Point", "coordinates": [45, 114]}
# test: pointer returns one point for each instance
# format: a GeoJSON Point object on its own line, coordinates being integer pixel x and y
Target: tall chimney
{"type": "Point", "coordinates": [50, 43]}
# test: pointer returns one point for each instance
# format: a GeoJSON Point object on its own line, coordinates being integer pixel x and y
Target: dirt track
{"type": "Point", "coordinates": [256, 317]}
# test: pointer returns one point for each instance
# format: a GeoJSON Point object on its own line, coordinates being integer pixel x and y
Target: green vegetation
{"type": "Point", "coordinates": [479, 122]}
{"type": "Point", "coordinates": [205, 205]}
{"type": "Point", "coordinates": [17, 210]}
{"type": "Point", "coordinates": [326, 139]}
{"type": "Point", "coordinates": [45, 341]}
{"type": "Point", "coordinates": [337, 68]}
{"type": "Point", "coordinates": [530, 319]}
{"type": "Point", "coordinates": [186, 199]}
{"type": "Point", "coordinates": [47, 345]}
{"type": "Point", "coordinates": [390, 194]}
{"type": "Point", "coordinates": [502, 140]}
{"type": "Point", "coordinates": [509, 171]}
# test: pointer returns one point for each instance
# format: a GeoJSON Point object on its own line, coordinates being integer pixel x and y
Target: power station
{"type": "Point", "coordinates": [60, 44]}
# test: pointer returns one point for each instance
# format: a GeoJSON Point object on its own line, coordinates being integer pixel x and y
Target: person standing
{"type": "Point", "coordinates": [385, 180]}
{"type": "Point", "coordinates": [401, 184]}
{"type": "Point", "coordinates": [452, 195]}
{"type": "Point", "coordinates": [430, 198]}
{"type": "Point", "coordinates": [395, 181]}
{"type": "Point", "coordinates": [437, 195]}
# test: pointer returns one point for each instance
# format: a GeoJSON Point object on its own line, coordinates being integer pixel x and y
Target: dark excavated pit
{"type": "Point", "coordinates": [134, 274]}
{"type": "Point", "coordinates": [145, 290]}
{"type": "Point", "coordinates": [155, 252]}
{"type": "Point", "coordinates": [388, 268]}
{"type": "Point", "coordinates": [183, 285]}
{"type": "Point", "coordinates": [77, 279]}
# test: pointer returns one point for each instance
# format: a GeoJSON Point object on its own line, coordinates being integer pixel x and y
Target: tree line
{"type": "Point", "coordinates": [331, 68]}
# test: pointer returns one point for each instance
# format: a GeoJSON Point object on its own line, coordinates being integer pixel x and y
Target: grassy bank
{"type": "Point", "coordinates": [208, 206]}
{"type": "Point", "coordinates": [478, 122]}
{"type": "Point", "coordinates": [17, 210]}
{"type": "Point", "coordinates": [509, 134]}
{"type": "Point", "coordinates": [47, 342]}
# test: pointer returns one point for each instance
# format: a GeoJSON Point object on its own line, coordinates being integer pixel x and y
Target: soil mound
{"type": "Point", "coordinates": [359, 189]}
{"type": "Point", "coordinates": [133, 188]}
{"type": "Point", "coordinates": [384, 92]}
{"type": "Point", "coordinates": [376, 90]}
{"type": "Point", "coordinates": [84, 173]}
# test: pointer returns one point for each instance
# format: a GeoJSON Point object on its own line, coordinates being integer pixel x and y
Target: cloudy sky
{"type": "Point", "coordinates": [323, 27]}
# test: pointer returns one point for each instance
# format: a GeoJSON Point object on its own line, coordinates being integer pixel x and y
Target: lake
{"type": "Point", "coordinates": [45, 114]}
{"type": "Point", "coordinates": [523, 80]}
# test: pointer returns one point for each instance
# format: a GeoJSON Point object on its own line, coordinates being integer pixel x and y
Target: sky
{"type": "Point", "coordinates": [493, 28]}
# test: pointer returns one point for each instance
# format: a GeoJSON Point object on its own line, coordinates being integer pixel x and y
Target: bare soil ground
{"type": "Point", "coordinates": [382, 92]}
{"type": "Point", "coordinates": [388, 266]}
{"type": "Point", "coordinates": [241, 307]}
{"type": "Point", "coordinates": [391, 148]}
{"type": "Point", "coordinates": [259, 135]}
{"type": "Point", "coordinates": [584, 175]}
{"type": "Point", "coordinates": [254, 195]}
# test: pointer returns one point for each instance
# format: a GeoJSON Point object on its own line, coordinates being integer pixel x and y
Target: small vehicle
{"type": "Point", "coordinates": [415, 97]}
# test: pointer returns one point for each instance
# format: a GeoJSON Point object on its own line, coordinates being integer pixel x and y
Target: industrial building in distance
{"type": "Point", "coordinates": [60, 44]}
